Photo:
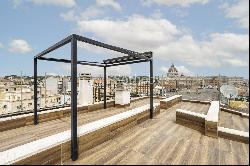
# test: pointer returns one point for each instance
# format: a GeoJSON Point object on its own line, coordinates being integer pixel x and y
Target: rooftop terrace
{"type": "Point", "coordinates": [134, 139]}
{"type": "Point", "coordinates": [162, 141]}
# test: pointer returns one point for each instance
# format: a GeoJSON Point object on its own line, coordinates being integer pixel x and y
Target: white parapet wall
{"type": "Point", "coordinates": [212, 119]}
{"type": "Point", "coordinates": [191, 119]}
{"type": "Point", "coordinates": [233, 134]}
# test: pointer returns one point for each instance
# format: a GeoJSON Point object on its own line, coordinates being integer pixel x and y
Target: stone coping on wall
{"type": "Point", "coordinates": [191, 119]}
{"type": "Point", "coordinates": [19, 153]}
{"type": "Point", "coordinates": [172, 98]}
{"type": "Point", "coordinates": [212, 119]}
{"type": "Point", "coordinates": [196, 101]}
{"type": "Point", "coordinates": [195, 114]}
{"type": "Point", "coordinates": [213, 112]}
{"type": "Point", "coordinates": [234, 134]}
{"type": "Point", "coordinates": [170, 101]}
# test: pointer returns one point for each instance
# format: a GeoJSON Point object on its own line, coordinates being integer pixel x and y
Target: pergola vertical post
{"type": "Point", "coordinates": [151, 89]}
{"type": "Point", "coordinates": [105, 87]}
{"type": "Point", "coordinates": [35, 92]}
{"type": "Point", "coordinates": [74, 144]}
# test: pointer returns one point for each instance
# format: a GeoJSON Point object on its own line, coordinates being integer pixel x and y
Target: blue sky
{"type": "Point", "coordinates": [201, 37]}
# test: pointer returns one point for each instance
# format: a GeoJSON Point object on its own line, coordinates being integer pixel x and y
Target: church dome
{"type": "Point", "coordinates": [172, 69]}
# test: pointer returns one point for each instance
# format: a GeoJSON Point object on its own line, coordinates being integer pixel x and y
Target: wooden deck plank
{"type": "Point", "coordinates": [232, 121]}
{"type": "Point", "coordinates": [162, 141]}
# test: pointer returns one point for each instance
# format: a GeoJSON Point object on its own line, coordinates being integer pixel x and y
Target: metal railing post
{"type": "Point", "coordinates": [105, 87]}
{"type": "Point", "coordinates": [151, 89]}
{"type": "Point", "coordinates": [35, 92]}
{"type": "Point", "coordinates": [74, 144]}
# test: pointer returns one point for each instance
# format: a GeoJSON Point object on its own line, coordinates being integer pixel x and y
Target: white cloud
{"type": "Point", "coordinates": [88, 13]}
{"type": "Point", "coordinates": [157, 14]}
{"type": "Point", "coordinates": [136, 32]}
{"type": "Point", "coordinates": [184, 70]}
{"type": "Point", "coordinates": [124, 70]}
{"type": "Point", "coordinates": [99, 8]}
{"type": "Point", "coordinates": [70, 16]}
{"type": "Point", "coordinates": [181, 3]}
{"type": "Point", "coordinates": [238, 11]}
{"type": "Point", "coordinates": [109, 3]}
{"type": "Point", "coordinates": [1, 45]}
{"type": "Point", "coordinates": [216, 51]}
{"type": "Point", "coordinates": [63, 3]}
{"type": "Point", "coordinates": [181, 69]}
{"type": "Point", "coordinates": [169, 42]}
{"type": "Point", "coordinates": [19, 46]}
{"type": "Point", "coordinates": [237, 62]}
{"type": "Point", "coordinates": [16, 3]}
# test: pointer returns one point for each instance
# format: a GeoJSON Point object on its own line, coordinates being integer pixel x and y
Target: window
{"type": "Point", "coordinates": [14, 89]}
{"type": "Point", "coordinates": [7, 90]}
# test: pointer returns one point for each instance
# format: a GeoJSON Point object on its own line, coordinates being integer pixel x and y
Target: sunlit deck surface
{"type": "Point", "coordinates": [229, 120]}
{"type": "Point", "coordinates": [162, 141]}
{"type": "Point", "coordinates": [194, 107]}
{"type": "Point", "coordinates": [23, 135]}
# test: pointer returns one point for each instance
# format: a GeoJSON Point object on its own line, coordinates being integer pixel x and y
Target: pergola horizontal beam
{"type": "Point", "coordinates": [55, 60]}
{"type": "Point", "coordinates": [127, 63]}
{"type": "Point", "coordinates": [69, 61]}
{"type": "Point", "coordinates": [120, 59]}
{"type": "Point", "coordinates": [132, 54]}
{"type": "Point", "coordinates": [127, 58]}
{"type": "Point", "coordinates": [90, 64]}
{"type": "Point", "coordinates": [110, 47]}
{"type": "Point", "coordinates": [55, 46]}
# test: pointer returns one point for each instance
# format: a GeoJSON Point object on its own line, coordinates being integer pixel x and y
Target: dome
{"type": "Point", "coordinates": [172, 69]}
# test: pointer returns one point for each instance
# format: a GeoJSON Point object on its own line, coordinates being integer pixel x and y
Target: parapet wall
{"type": "Point", "coordinates": [169, 102]}
{"type": "Point", "coordinates": [209, 124]}
{"type": "Point", "coordinates": [27, 119]}
{"type": "Point", "coordinates": [190, 119]}
{"type": "Point", "coordinates": [56, 149]}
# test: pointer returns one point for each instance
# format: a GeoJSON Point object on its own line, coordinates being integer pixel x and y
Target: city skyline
{"type": "Point", "coordinates": [177, 32]}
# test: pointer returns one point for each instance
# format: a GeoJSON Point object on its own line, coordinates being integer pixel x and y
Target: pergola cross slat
{"type": "Point", "coordinates": [131, 57]}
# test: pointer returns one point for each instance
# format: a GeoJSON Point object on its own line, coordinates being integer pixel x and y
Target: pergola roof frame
{"type": "Point", "coordinates": [131, 58]}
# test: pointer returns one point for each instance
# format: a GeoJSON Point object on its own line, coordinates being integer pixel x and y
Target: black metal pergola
{"type": "Point", "coordinates": [130, 58]}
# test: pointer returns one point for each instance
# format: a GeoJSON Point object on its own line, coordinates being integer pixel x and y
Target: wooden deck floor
{"type": "Point", "coordinates": [20, 136]}
{"type": "Point", "coordinates": [233, 121]}
{"type": "Point", "coordinates": [162, 141]}
{"type": "Point", "coordinates": [194, 107]}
